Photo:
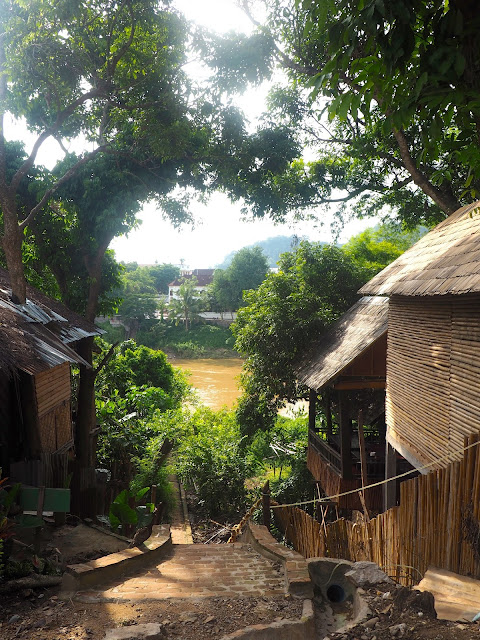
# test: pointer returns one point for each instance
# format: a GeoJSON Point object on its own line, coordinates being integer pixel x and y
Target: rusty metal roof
{"type": "Point", "coordinates": [35, 336]}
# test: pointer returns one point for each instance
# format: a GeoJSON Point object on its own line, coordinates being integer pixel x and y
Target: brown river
{"type": "Point", "coordinates": [215, 380]}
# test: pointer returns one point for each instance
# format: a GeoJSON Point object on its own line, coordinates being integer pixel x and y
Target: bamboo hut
{"type": "Point", "coordinates": [348, 368]}
{"type": "Point", "coordinates": [37, 348]}
{"type": "Point", "coordinates": [433, 352]}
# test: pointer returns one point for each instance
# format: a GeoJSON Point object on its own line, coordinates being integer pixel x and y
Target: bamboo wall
{"type": "Point", "coordinates": [53, 397]}
{"type": "Point", "coordinates": [433, 372]}
{"type": "Point", "coordinates": [436, 524]}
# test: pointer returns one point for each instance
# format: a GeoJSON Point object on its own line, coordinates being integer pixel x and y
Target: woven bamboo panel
{"type": "Point", "coordinates": [55, 428]}
{"type": "Point", "coordinates": [418, 375]}
{"type": "Point", "coordinates": [436, 524]}
{"type": "Point", "coordinates": [465, 368]}
{"type": "Point", "coordinates": [52, 388]}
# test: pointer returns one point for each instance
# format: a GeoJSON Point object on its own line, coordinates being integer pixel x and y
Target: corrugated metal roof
{"type": "Point", "coordinates": [35, 336]}
{"type": "Point", "coordinates": [445, 261]}
{"type": "Point", "coordinates": [350, 336]}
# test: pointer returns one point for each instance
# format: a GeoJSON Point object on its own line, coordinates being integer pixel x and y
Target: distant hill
{"type": "Point", "coordinates": [272, 248]}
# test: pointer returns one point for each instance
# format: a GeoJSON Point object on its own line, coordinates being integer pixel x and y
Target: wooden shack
{"type": "Point", "coordinates": [37, 348]}
{"type": "Point", "coordinates": [347, 368]}
{"type": "Point", "coordinates": [433, 352]}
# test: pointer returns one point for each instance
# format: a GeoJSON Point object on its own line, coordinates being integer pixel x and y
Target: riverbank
{"type": "Point", "coordinates": [200, 341]}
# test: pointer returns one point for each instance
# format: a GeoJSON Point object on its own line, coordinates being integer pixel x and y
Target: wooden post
{"type": "Point", "coordinates": [328, 411]}
{"type": "Point", "coordinates": [312, 409]}
{"type": "Point", "coordinates": [363, 455]}
{"type": "Point", "coordinates": [345, 437]}
{"type": "Point", "coordinates": [38, 530]}
{"type": "Point", "coordinates": [153, 495]}
{"type": "Point", "coordinates": [390, 488]}
{"type": "Point", "coordinates": [266, 504]}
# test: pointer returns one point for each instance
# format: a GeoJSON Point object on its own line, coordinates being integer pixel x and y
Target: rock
{"type": "Point", "coordinates": [369, 624]}
{"type": "Point", "coordinates": [398, 630]}
{"type": "Point", "coordinates": [209, 619]}
{"type": "Point", "coordinates": [14, 619]}
{"type": "Point", "coordinates": [148, 631]}
{"type": "Point", "coordinates": [367, 574]}
{"type": "Point", "coordinates": [188, 617]}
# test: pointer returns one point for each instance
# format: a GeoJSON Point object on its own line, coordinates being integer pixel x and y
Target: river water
{"type": "Point", "coordinates": [215, 380]}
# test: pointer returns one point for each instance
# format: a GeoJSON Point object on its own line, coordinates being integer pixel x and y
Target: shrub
{"type": "Point", "coordinates": [210, 461]}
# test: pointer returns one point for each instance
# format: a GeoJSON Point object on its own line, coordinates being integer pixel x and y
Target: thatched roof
{"type": "Point", "coordinates": [445, 261]}
{"type": "Point", "coordinates": [350, 336]}
{"type": "Point", "coordinates": [36, 335]}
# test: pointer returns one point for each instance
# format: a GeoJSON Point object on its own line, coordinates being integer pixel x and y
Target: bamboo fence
{"type": "Point", "coordinates": [436, 524]}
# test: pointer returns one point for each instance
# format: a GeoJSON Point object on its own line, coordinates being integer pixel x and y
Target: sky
{"type": "Point", "coordinates": [219, 228]}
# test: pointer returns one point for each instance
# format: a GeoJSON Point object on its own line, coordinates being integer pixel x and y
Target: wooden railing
{"type": "Point", "coordinates": [325, 450]}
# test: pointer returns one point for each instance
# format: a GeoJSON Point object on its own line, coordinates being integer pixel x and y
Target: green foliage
{"type": "Point", "coordinates": [112, 334]}
{"type": "Point", "coordinates": [121, 513]}
{"type": "Point", "coordinates": [246, 271]}
{"type": "Point", "coordinates": [162, 275]}
{"type": "Point", "coordinates": [289, 310]}
{"type": "Point", "coordinates": [375, 248]}
{"type": "Point", "coordinates": [211, 462]}
{"type": "Point", "coordinates": [133, 388]}
{"type": "Point", "coordinates": [204, 340]}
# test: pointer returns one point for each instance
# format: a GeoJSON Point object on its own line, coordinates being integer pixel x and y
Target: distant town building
{"type": "Point", "coordinates": [204, 278]}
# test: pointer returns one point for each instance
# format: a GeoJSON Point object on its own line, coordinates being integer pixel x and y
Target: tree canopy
{"type": "Point", "coordinates": [247, 270]}
{"type": "Point", "coordinates": [111, 73]}
{"type": "Point", "coordinates": [386, 95]}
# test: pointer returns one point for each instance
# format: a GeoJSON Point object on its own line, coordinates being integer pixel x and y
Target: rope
{"type": "Point", "coordinates": [449, 457]}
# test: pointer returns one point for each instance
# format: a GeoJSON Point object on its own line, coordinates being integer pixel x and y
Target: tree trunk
{"type": "Point", "coordinates": [12, 246]}
{"type": "Point", "coordinates": [85, 421]}
{"type": "Point", "coordinates": [86, 416]}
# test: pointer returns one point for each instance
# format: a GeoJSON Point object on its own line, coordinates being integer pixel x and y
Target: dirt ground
{"type": "Point", "coordinates": [39, 614]}
{"type": "Point", "coordinates": [48, 618]}
{"type": "Point", "coordinates": [405, 613]}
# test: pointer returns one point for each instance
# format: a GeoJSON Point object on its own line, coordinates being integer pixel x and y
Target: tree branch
{"type": "Point", "coordinates": [50, 131]}
{"type": "Point", "coordinates": [446, 203]}
{"type": "Point", "coordinates": [105, 359]}
{"type": "Point", "coordinates": [66, 176]}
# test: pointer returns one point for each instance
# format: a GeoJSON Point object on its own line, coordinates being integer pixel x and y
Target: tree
{"type": "Point", "coordinates": [189, 302]}
{"type": "Point", "coordinates": [139, 299]}
{"type": "Point", "coordinates": [247, 270]}
{"type": "Point", "coordinates": [375, 248]}
{"type": "Point", "coordinates": [400, 84]}
{"type": "Point", "coordinates": [285, 314]}
{"type": "Point", "coordinates": [162, 275]}
{"type": "Point", "coordinates": [111, 72]}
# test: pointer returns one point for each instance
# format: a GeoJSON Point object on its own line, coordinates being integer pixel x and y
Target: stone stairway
{"type": "Point", "coordinates": [197, 571]}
